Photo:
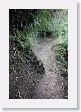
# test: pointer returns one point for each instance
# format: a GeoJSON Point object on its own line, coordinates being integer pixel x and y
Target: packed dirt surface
{"type": "Point", "coordinates": [50, 86]}
{"type": "Point", "coordinates": [33, 80]}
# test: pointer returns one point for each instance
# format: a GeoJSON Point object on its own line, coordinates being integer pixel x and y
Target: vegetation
{"type": "Point", "coordinates": [28, 24]}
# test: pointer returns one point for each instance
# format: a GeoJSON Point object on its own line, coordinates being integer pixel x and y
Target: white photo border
{"type": "Point", "coordinates": [71, 5]}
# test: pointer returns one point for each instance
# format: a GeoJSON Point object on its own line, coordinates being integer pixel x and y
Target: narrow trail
{"type": "Point", "coordinates": [50, 86]}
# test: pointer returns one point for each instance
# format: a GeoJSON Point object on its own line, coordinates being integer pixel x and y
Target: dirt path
{"type": "Point", "coordinates": [50, 86]}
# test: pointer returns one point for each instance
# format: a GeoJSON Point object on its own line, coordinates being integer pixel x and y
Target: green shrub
{"type": "Point", "coordinates": [28, 24]}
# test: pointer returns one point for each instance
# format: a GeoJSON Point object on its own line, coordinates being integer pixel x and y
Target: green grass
{"type": "Point", "coordinates": [62, 59]}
